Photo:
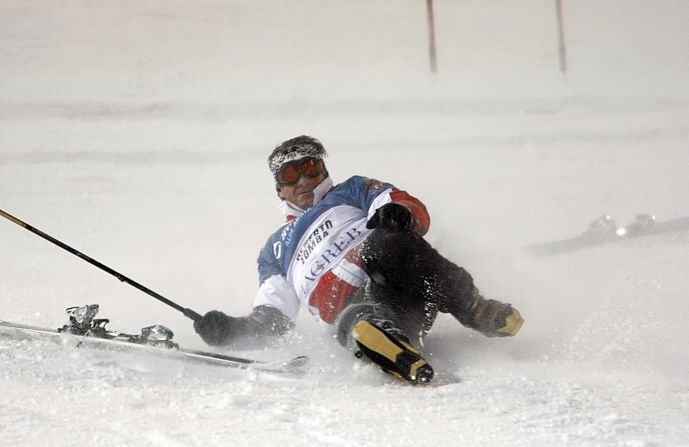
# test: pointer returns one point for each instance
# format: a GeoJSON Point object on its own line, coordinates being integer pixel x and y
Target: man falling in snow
{"type": "Point", "coordinates": [355, 256]}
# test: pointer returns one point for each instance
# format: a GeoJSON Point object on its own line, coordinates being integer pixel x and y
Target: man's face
{"type": "Point", "coordinates": [300, 193]}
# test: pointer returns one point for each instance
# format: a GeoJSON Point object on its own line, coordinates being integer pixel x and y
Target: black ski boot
{"type": "Point", "coordinates": [490, 317]}
{"type": "Point", "coordinates": [378, 339]}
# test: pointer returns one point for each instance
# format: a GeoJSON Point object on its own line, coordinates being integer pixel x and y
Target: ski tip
{"type": "Point", "coordinates": [296, 365]}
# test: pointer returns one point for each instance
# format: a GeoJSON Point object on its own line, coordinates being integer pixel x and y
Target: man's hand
{"type": "Point", "coordinates": [392, 216]}
{"type": "Point", "coordinates": [215, 328]}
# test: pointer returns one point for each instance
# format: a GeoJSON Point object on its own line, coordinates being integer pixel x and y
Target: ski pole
{"type": "Point", "coordinates": [187, 312]}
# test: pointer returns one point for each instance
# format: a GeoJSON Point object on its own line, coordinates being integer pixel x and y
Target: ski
{"type": "Point", "coordinates": [86, 331]}
{"type": "Point", "coordinates": [605, 230]}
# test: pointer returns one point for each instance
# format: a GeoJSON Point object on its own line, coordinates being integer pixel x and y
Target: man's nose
{"type": "Point", "coordinates": [303, 179]}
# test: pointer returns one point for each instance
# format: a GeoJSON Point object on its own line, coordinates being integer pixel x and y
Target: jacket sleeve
{"type": "Point", "coordinates": [279, 294]}
{"type": "Point", "coordinates": [422, 220]}
{"type": "Point", "coordinates": [375, 194]}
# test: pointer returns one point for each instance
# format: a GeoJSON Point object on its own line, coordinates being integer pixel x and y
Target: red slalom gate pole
{"type": "Point", "coordinates": [431, 36]}
{"type": "Point", "coordinates": [562, 49]}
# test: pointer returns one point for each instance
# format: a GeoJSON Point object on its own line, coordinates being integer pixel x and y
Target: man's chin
{"type": "Point", "coordinates": [305, 200]}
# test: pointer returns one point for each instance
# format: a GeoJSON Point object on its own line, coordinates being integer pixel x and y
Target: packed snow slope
{"type": "Point", "coordinates": [137, 132]}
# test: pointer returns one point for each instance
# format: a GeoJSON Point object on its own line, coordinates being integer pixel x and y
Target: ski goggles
{"type": "Point", "coordinates": [290, 173]}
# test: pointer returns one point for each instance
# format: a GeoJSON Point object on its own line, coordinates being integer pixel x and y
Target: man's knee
{"type": "Point", "coordinates": [355, 313]}
{"type": "Point", "coordinates": [395, 256]}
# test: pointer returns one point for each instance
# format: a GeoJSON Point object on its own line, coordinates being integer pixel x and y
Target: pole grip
{"type": "Point", "coordinates": [191, 314]}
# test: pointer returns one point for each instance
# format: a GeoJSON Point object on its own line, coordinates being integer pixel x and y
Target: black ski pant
{"type": "Point", "coordinates": [409, 282]}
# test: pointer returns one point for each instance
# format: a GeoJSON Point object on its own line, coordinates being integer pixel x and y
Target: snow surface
{"type": "Point", "coordinates": [137, 131]}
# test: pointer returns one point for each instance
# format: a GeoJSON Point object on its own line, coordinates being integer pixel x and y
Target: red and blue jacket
{"type": "Point", "coordinates": [313, 260]}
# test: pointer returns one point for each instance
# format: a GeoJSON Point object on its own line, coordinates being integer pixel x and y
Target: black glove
{"type": "Point", "coordinates": [215, 328]}
{"type": "Point", "coordinates": [393, 216]}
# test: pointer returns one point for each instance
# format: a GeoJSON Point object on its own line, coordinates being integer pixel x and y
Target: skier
{"type": "Point", "coordinates": [355, 256]}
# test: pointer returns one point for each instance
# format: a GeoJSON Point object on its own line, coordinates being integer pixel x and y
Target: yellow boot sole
{"type": "Point", "coordinates": [392, 354]}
